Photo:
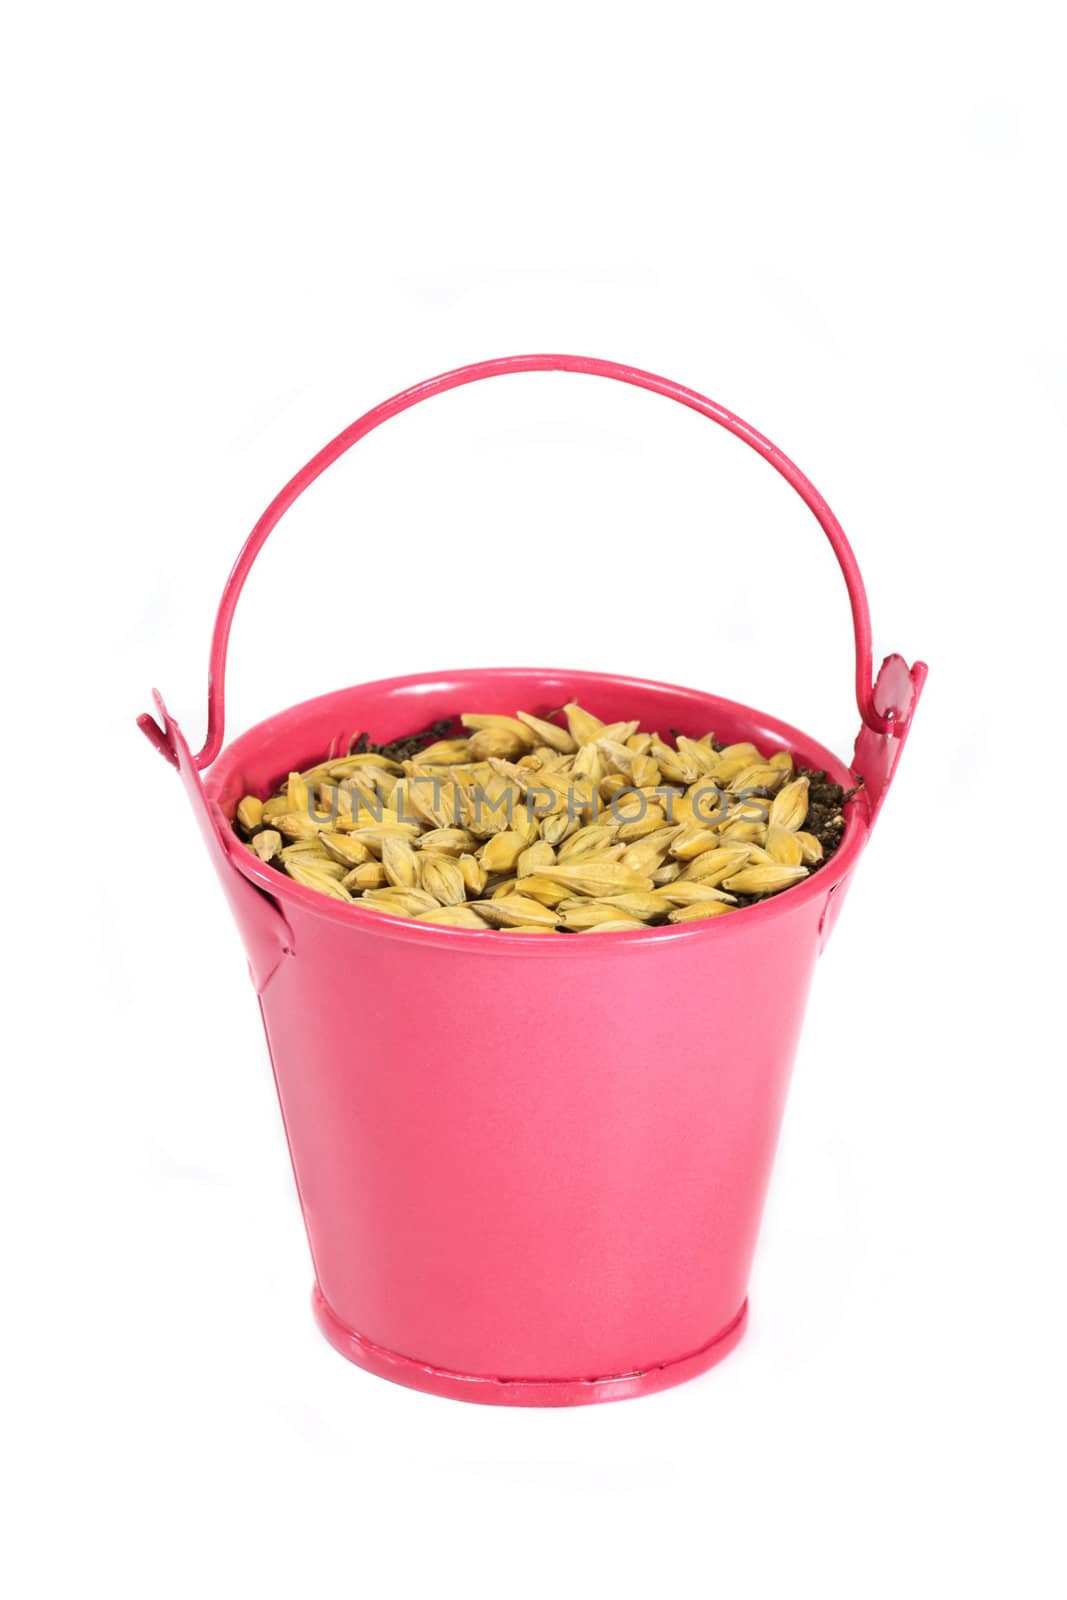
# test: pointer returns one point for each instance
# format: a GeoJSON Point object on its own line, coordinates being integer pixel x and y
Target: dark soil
{"type": "Point", "coordinates": [402, 749]}
{"type": "Point", "coordinates": [826, 801]}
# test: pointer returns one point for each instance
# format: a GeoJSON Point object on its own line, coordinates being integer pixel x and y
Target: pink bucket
{"type": "Point", "coordinates": [531, 1169]}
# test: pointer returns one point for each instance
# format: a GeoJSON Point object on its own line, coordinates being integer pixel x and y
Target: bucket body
{"type": "Point", "coordinates": [531, 1168]}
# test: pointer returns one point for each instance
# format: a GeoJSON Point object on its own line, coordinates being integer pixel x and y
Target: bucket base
{"type": "Point", "coordinates": [522, 1391]}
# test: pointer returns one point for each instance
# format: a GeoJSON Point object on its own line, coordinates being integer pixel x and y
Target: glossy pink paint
{"type": "Point", "coordinates": [531, 1169]}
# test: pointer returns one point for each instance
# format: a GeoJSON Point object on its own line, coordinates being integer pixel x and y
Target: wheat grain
{"type": "Point", "coordinates": [526, 825]}
{"type": "Point", "coordinates": [698, 911]}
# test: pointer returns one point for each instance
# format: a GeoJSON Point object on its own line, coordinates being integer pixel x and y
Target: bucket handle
{"type": "Point", "coordinates": [885, 719]}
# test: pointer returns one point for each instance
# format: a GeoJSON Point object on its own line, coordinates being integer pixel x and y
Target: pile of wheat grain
{"type": "Point", "coordinates": [526, 825]}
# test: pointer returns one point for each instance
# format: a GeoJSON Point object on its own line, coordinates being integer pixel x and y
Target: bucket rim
{"type": "Point", "coordinates": [285, 890]}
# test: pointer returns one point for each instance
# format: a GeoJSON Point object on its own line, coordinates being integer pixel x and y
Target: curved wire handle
{"type": "Point", "coordinates": [889, 724]}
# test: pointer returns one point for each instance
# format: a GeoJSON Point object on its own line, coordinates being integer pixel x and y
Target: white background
{"type": "Point", "coordinates": [231, 229]}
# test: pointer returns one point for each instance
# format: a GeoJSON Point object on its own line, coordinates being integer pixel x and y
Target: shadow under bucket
{"type": "Point", "coordinates": [531, 1169]}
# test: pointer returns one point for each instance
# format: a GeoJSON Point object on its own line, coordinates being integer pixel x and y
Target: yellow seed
{"type": "Point", "coordinates": [743, 833]}
{"type": "Point", "coordinates": [448, 841]}
{"type": "Point", "coordinates": [584, 727]}
{"type": "Point", "coordinates": [692, 841]}
{"type": "Point", "coordinates": [316, 775]}
{"type": "Point", "coordinates": [594, 836]}
{"type": "Point", "coordinates": [699, 910]}
{"type": "Point", "coordinates": [582, 914]}
{"type": "Point", "coordinates": [641, 827]}
{"type": "Point", "coordinates": [398, 859]}
{"type": "Point", "coordinates": [375, 834]}
{"type": "Point", "coordinates": [759, 857]}
{"type": "Point", "coordinates": [298, 825]}
{"type": "Point", "coordinates": [691, 894]}
{"type": "Point", "coordinates": [649, 853]}
{"type": "Point", "coordinates": [763, 879]}
{"type": "Point", "coordinates": [342, 847]}
{"type": "Point", "coordinates": [783, 759]}
{"type": "Point", "coordinates": [369, 778]}
{"type": "Point", "coordinates": [473, 874]}
{"type": "Point", "coordinates": [549, 734]}
{"type": "Point", "coordinates": [615, 924]}
{"type": "Point", "coordinates": [445, 753]}
{"type": "Point", "coordinates": [274, 808]}
{"type": "Point", "coordinates": [494, 808]}
{"type": "Point", "coordinates": [408, 902]}
{"type": "Point", "coordinates": [450, 810]}
{"type": "Point", "coordinates": [597, 878]}
{"type": "Point", "coordinates": [511, 771]}
{"type": "Point", "coordinates": [442, 877]}
{"type": "Point", "coordinates": [267, 844]}
{"type": "Point", "coordinates": [417, 792]}
{"type": "Point", "coordinates": [789, 808]}
{"type": "Point", "coordinates": [566, 789]}
{"type": "Point", "coordinates": [495, 742]}
{"type": "Point", "coordinates": [628, 805]}
{"type": "Point", "coordinates": [315, 878]}
{"type": "Point", "coordinates": [333, 801]}
{"type": "Point", "coordinates": [298, 793]}
{"type": "Point", "coordinates": [309, 850]}
{"type": "Point", "coordinates": [555, 829]}
{"type": "Point", "coordinates": [435, 800]}
{"type": "Point", "coordinates": [542, 890]}
{"type": "Point", "coordinates": [587, 763]}
{"type": "Point", "coordinates": [757, 776]}
{"type": "Point", "coordinates": [526, 927]}
{"type": "Point", "coordinates": [753, 808]}
{"type": "Point", "coordinates": [526, 826]}
{"type": "Point", "coordinates": [370, 876]}
{"type": "Point", "coordinates": [453, 917]}
{"type": "Point", "coordinates": [556, 760]}
{"type": "Point", "coordinates": [716, 865]}
{"type": "Point", "coordinates": [250, 812]}
{"type": "Point", "coordinates": [702, 802]}
{"type": "Point", "coordinates": [784, 846]}
{"type": "Point", "coordinates": [482, 724]}
{"type": "Point", "coordinates": [363, 759]}
{"type": "Point", "coordinates": [810, 848]}
{"type": "Point", "coordinates": [322, 864]}
{"type": "Point", "coordinates": [615, 757]}
{"type": "Point", "coordinates": [502, 851]}
{"type": "Point", "coordinates": [698, 755]}
{"type": "Point", "coordinates": [537, 855]}
{"type": "Point", "coordinates": [360, 800]}
{"type": "Point", "coordinates": [514, 910]}
{"type": "Point", "coordinates": [734, 759]}
{"type": "Point", "coordinates": [643, 905]}
{"type": "Point", "coordinates": [382, 816]}
{"type": "Point", "coordinates": [674, 766]}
